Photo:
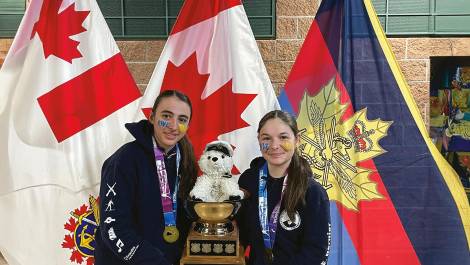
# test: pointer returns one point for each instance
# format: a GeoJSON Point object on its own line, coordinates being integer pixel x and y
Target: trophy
{"type": "Point", "coordinates": [213, 238]}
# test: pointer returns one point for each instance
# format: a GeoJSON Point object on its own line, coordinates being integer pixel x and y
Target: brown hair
{"type": "Point", "coordinates": [299, 170]}
{"type": "Point", "coordinates": [188, 166]}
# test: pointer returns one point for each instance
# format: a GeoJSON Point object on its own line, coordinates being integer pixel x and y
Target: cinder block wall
{"type": "Point", "coordinates": [413, 55]}
{"type": "Point", "coordinates": [4, 46]}
{"type": "Point", "coordinates": [292, 24]}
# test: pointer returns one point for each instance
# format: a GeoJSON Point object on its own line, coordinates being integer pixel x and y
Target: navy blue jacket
{"type": "Point", "coordinates": [131, 227]}
{"type": "Point", "coordinates": [308, 244]}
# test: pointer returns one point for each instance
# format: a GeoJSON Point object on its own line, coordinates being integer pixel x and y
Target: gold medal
{"type": "Point", "coordinates": [171, 234]}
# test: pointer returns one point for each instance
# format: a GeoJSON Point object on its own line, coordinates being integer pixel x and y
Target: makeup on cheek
{"type": "Point", "coordinates": [163, 123]}
{"type": "Point", "coordinates": [264, 147]}
{"type": "Point", "coordinates": [182, 127]}
{"type": "Point", "coordinates": [287, 146]}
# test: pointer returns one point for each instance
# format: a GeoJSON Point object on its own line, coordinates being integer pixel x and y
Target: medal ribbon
{"type": "Point", "coordinates": [169, 201]}
{"type": "Point", "coordinates": [268, 228]}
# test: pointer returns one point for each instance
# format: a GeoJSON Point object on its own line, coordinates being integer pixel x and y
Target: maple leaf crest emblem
{"type": "Point", "coordinates": [217, 114]}
{"type": "Point", "coordinates": [336, 149]}
{"type": "Point", "coordinates": [81, 230]}
{"type": "Point", "coordinates": [55, 29]}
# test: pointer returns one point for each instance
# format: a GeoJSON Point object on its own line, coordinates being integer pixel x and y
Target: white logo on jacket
{"type": "Point", "coordinates": [287, 223]}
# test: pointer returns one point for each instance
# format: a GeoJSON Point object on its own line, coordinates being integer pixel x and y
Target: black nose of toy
{"type": "Point", "coordinates": [215, 159]}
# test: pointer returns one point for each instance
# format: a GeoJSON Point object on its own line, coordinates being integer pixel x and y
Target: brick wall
{"type": "Point", "coordinates": [293, 21]}
{"type": "Point", "coordinates": [292, 24]}
{"type": "Point", "coordinates": [413, 55]}
{"type": "Point", "coordinates": [4, 46]}
{"type": "Point", "coordinates": [141, 58]}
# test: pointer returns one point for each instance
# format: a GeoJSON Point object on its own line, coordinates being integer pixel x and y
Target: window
{"type": "Point", "coordinates": [129, 19]}
{"type": "Point", "coordinates": [11, 13]}
{"type": "Point", "coordinates": [424, 17]}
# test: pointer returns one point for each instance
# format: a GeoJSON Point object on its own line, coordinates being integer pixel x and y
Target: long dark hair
{"type": "Point", "coordinates": [188, 166]}
{"type": "Point", "coordinates": [299, 170]}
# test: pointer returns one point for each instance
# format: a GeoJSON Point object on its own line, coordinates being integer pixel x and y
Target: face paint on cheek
{"type": "Point", "coordinates": [287, 146]}
{"type": "Point", "coordinates": [183, 128]}
{"type": "Point", "coordinates": [264, 147]}
{"type": "Point", "coordinates": [163, 123]}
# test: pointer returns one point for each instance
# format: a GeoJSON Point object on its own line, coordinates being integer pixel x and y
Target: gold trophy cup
{"type": "Point", "coordinates": [213, 238]}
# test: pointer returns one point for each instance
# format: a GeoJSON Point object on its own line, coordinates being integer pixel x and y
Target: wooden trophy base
{"type": "Point", "coordinates": [213, 249]}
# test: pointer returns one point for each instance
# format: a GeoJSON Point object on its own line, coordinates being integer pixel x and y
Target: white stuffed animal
{"type": "Point", "coordinates": [216, 183]}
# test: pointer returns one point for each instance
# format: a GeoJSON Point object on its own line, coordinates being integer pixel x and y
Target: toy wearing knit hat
{"type": "Point", "coordinates": [216, 183]}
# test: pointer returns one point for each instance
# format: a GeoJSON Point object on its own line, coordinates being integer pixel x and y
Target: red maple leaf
{"type": "Point", "coordinates": [90, 261]}
{"type": "Point", "coordinates": [217, 114]}
{"type": "Point", "coordinates": [77, 257]}
{"type": "Point", "coordinates": [68, 242]}
{"type": "Point", "coordinates": [79, 211]}
{"type": "Point", "coordinates": [71, 225]}
{"type": "Point", "coordinates": [55, 29]}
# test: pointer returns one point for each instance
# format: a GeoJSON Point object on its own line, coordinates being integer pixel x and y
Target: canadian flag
{"type": "Point", "coordinates": [65, 95]}
{"type": "Point", "coordinates": [211, 55]}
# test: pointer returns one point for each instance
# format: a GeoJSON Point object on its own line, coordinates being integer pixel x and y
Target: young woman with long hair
{"type": "Point", "coordinates": [286, 218]}
{"type": "Point", "coordinates": [143, 188]}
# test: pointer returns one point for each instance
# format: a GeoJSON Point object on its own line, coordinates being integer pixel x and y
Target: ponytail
{"type": "Point", "coordinates": [297, 183]}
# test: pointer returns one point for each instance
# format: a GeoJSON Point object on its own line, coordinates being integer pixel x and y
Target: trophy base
{"type": "Point", "coordinates": [203, 248]}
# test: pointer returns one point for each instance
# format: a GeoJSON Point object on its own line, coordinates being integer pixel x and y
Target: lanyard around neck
{"type": "Point", "coordinates": [269, 228]}
{"type": "Point", "coordinates": [169, 201]}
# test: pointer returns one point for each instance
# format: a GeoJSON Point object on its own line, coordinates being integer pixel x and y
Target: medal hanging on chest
{"type": "Point", "coordinates": [169, 201]}
{"type": "Point", "coordinates": [171, 234]}
{"type": "Point", "coordinates": [268, 227]}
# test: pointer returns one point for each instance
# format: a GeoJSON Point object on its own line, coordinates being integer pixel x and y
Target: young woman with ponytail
{"type": "Point", "coordinates": [143, 188]}
{"type": "Point", "coordinates": [285, 219]}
